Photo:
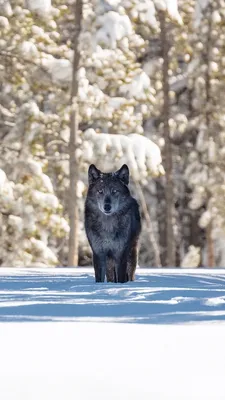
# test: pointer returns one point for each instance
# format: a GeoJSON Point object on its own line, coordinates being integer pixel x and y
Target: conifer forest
{"type": "Point", "coordinates": [109, 82]}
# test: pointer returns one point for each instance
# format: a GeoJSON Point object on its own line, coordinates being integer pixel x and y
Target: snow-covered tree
{"type": "Point", "coordinates": [205, 172]}
{"type": "Point", "coordinates": [36, 69]}
{"type": "Point", "coordinates": [121, 119]}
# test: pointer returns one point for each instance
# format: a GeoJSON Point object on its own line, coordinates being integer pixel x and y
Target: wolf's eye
{"type": "Point", "coordinates": [100, 191]}
{"type": "Point", "coordinates": [114, 191]}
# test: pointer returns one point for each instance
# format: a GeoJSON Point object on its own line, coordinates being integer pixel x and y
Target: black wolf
{"type": "Point", "coordinates": [112, 224]}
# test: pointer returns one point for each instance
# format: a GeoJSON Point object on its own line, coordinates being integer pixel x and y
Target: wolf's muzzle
{"type": "Point", "coordinates": [107, 207]}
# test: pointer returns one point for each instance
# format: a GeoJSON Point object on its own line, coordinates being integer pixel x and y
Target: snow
{"type": "Point", "coordinates": [2, 178]}
{"type": "Point", "coordinates": [151, 15]}
{"type": "Point", "coordinates": [47, 200]}
{"type": "Point", "coordinates": [157, 296]}
{"type": "Point", "coordinates": [137, 87]}
{"type": "Point", "coordinates": [142, 154]}
{"type": "Point", "coordinates": [200, 6]}
{"type": "Point", "coordinates": [16, 223]}
{"type": "Point", "coordinates": [114, 27]}
{"type": "Point", "coordinates": [172, 8]}
{"type": "Point", "coordinates": [4, 23]}
{"type": "Point", "coordinates": [192, 258]}
{"type": "Point", "coordinates": [28, 49]}
{"type": "Point", "coordinates": [44, 252]}
{"type": "Point", "coordinates": [59, 69]}
{"type": "Point", "coordinates": [39, 6]}
{"type": "Point", "coordinates": [6, 8]}
{"type": "Point", "coordinates": [160, 337]}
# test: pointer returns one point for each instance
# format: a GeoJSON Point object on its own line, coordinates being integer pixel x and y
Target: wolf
{"type": "Point", "coordinates": [112, 225]}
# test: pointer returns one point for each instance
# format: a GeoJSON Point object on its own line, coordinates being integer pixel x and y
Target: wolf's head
{"type": "Point", "coordinates": [109, 190]}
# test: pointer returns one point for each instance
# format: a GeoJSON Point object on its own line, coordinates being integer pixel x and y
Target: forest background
{"type": "Point", "coordinates": [109, 82]}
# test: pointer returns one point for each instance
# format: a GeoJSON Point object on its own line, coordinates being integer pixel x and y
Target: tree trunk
{"type": "Point", "coordinates": [209, 240]}
{"type": "Point", "coordinates": [73, 163]}
{"type": "Point", "coordinates": [210, 247]}
{"type": "Point", "coordinates": [152, 240]}
{"type": "Point", "coordinates": [168, 159]}
{"type": "Point", "coordinates": [161, 218]}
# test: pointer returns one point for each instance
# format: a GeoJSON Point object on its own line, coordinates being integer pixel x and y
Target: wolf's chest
{"type": "Point", "coordinates": [110, 236]}
{"type": "Point", "coordinates": [112, 242]}
{"type": "Point", "coordinates": [114, 228]}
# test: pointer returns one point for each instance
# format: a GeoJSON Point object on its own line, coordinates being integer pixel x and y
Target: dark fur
{"type": "Point", "coordinates": [112, 224]}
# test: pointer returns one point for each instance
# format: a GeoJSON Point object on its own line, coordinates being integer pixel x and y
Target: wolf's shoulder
{"type": "Point", "coordinates": [134, 203]}
{"type": "Point", "coordinates": [90, 206]}
{"type": "Point", "coordinates": [135, 208]}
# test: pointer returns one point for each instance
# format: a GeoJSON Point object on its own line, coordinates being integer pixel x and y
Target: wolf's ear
{"type": "Point", "coordinates": [123, 174]}
{"type": "Point", "coordinates": [93, 174]}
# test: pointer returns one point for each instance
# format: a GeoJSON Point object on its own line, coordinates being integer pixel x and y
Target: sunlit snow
{"type": "Point", "coordinates": [64, 337]}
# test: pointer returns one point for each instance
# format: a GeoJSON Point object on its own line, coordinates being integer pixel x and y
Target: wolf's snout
{"type": "Point", "coordinates": [107, 207]}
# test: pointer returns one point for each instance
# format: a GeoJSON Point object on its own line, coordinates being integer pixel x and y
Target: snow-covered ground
{"type": "Point", "coordinates": [64, 337]}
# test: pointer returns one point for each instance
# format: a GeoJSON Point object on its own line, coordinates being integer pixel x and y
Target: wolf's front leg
{"type": "Point", "coordinates": [132, 262]}
{"type": "Point", "coordinates": [121, 268]}
{"type": "Point", "coordinates": [99, 261]}
{"type": "Point", "coordinates": [110, 270]}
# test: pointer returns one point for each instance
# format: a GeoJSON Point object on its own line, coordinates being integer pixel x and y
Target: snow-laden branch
{"type": "Point", "coordinates": [109, 150]}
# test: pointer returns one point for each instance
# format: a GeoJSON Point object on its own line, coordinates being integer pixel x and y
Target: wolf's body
{"type": "Point", "coordinates": [112, 224]}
